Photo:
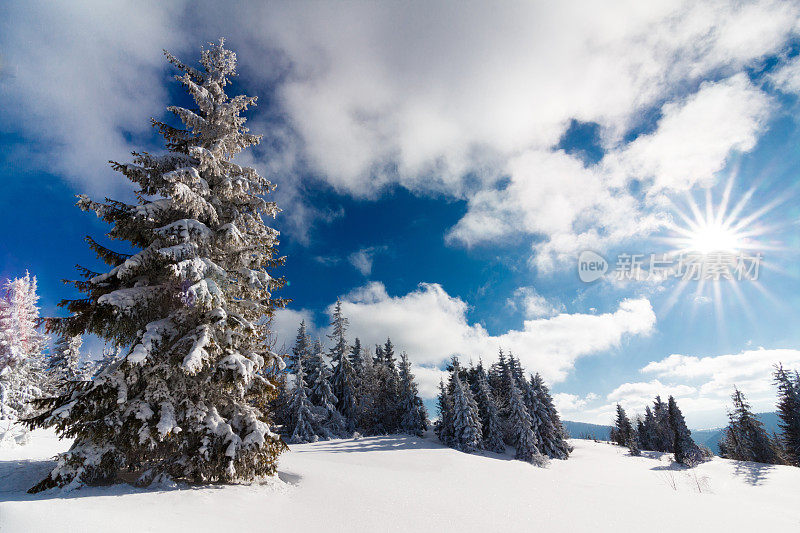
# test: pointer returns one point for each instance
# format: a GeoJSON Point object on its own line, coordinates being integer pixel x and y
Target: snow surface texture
{"type": "Point", "coordinates": [400, 483]}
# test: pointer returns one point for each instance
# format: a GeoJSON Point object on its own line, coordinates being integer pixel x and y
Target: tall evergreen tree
{"type": "Point", "coordinates": [356, 356]}
{"type": "Point", "coordinates": [300, 415]}
{"type": "Point", "coordinates": [490, 418]}
{"type": "Point", "coordinates": [388, 355]}
{"type": "Point", "coordinates": [623, 430]}
{"type": "Point", "coordinates": [684, 448]}
{"type": "Point", "coordinates": [368, 394]}
{"type": "Point", "coordinates": [789, 413]}
{"type": "Point", "coordinates": [312, 367]}
{"type": "Point", "coordinates": [301, 350]}
{"type": "Point", "coordinates": [65, 360]}
{"type": "Point", "coordinates": [521, 427]}
{"type": "Point", "coordinates": [444, 426]}
{"type": "Point", "coordinates": [647, 438]}
{"type": "Point", "coordinates": [745, 438]}
{"type": "Point", "coordinates": [466, 420]}
{"type": "Point", "coordinates": [552, 435]}
{"type": "Point", "coordinates": [343, 379]}
{"type": "Point", "coordinates": [413, 416]}
{"type": "Point", "coordinates": [183, 400]}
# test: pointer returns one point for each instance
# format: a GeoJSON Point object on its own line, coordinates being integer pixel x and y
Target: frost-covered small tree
{"type": "Point", "coordinates": [343, 378]}
{"type": "Point", "coordinates": [368, 393]}
{"type": "Point", "coordinates": [789, 413]}
{"type": "Point", "coordinates": [356, 356]}
{"type": "Point", "coordinates": [312, 366]}
{"type": "Point", "coordinates": [301, 350]}
{"type": "Point", "coordinates": [186, 400]}
{"type": "Point", "coordinates": [520, 424]}
{"type": "Point", "coordinates": [300, 414]}
{"type": "Point", "coordinates": [623, 430]}
{"type": "Point", "coordinates": [444, 425]}
{"type": "Point", "coordinates": [490, 418]}
{"type": "Point", "coordinates": [551, 434]}
{"type": "Point", "coordinates": [65, 360]}
{"type": "Point", "coordinates": [647, 430]}
{"type": "Point", "coordinates": [745, 438]}
{"type": "Point", "coordinates": [466, 419]}
{"type": "Point", "coordinates": [22, 364]}
{"type": "Point", "coordinates": [330, 422]}
{"type": "Point", "coordinates": [413, 416]}
{"type": "Point", "coordinates": [387, 403]}
{"type": "Point", "coordinates": [684, 448]}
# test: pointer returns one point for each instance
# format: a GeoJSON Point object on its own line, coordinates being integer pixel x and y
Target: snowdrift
{"type": "Point", "coordinates": [401, 483]}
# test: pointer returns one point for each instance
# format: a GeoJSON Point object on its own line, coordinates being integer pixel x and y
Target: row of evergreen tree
{"type": "Point", "coordinates": [480, 409]}
{"type": "Point", "coordinates": [661, 429]}
{"type": "Point", "coordinates": [356, 392]}
{"type": "Point", "coordinates": [746, 439]}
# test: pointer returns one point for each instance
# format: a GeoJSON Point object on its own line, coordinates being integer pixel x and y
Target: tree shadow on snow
{"type": "Point", "coordinates": [378, 443]}
{"type": "Point", "coordinates": [752, 473]}
{"type": "Point", "coordinates": [17, 476]}
{"type": "Point", "coordinates": [388, 443]}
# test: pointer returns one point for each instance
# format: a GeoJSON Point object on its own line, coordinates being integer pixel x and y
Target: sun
{"type": "Point", "coordinates": [716, 228]}
{"type": "Point", "coordinates": [710, 237]}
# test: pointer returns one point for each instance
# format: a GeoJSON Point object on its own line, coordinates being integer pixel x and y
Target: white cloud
{"type": "Point", "coordinates": [85, 76]}
{"type": "Point", "coordinates": [787, 78]}
{"type": "Point", "coordinates": [421, 95]}
{"type": "Point", "coordinates": [533, 304]}
{"type": "Point", "coordinates": [362, 259]}
{"type": "Point", "coordinates": [573, 208]}
{"type": "Point", "coordinates": [430, 325]}
{"type": "Point", "coordinates": [568, 404]}
{"type": "Point", "coordinates": [701, 385]}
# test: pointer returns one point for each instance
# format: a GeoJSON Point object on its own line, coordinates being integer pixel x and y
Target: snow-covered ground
{"type": "Point", "coordinates": [400, 483]}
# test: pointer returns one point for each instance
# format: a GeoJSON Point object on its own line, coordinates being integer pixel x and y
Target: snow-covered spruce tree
{"type": "Point", "coordinates": [466, 420]}
{"type": "Point", "coordinates": [647, 430]}
{"type": "Point", "coordinates": [330, 423]}
{"type": "Point", "coordinates": [663, 437]}
{"type": "Point", "coordinates": [312, 366]}
{"type": "Point", "coordinates": [745, 438]}
{"type": "Point", "coordinates": [300, 415]}
{"type": "Point", "coordinates": [65, 361]}
{"type": "Point", "coordinates": [357, 356]}
{"type": "Point", "coordinates": [490, 418]}
{"type": "Point", "coordinates": [521, 427]}
{"type": "Point", "coordinates": [186, 399]}
{"type": "Point", "coordinates": [368, 393]}
{"type": "Point", "coordinates": [388, 401]}
{"type": "Point", "coordinates": [789, 413]}
{"type": "Point", "coordinates": [623, 430]}
{"type": "Point", "coordinates": [413, 416]}
{"type": "Point", "coordinates": [444, 426]}
{"type": "Point", "coordinates": [22, 364]}
{"type": "Point", "coordinates": [552, 435]}
{"type": "Point", "coordinates": [343, 378]}
{"type": "Point", "coordinates": [301, 349]}
{"type": "Point", "coordinates": [684, 448]}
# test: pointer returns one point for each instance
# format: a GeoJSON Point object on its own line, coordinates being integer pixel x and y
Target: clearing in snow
{"type": "Point", "coordinates": [402, 483]}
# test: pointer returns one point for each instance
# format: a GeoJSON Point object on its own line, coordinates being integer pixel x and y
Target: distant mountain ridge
{"type": "Point", "coordinates": [711, 437]}
{"type": "Point", "coordinates": [583, 430]}
{"type": "Point", "coordinates": [706, 437]}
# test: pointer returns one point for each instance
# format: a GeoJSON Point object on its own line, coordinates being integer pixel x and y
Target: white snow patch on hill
{"type": "Point", "coordinates": [400, 483]}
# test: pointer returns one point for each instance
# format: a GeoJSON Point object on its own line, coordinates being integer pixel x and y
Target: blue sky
{"type": "Point", "coordinates": [441, 170]}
